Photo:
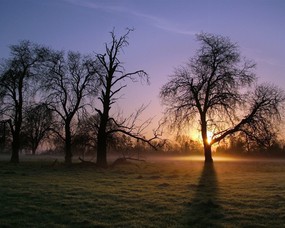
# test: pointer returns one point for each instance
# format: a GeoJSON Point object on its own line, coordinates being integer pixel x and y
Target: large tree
{"type": "Point", "coordinates": [18, 77]}
{"type": "Point", "coordinates": [216, 88]}
{"type": "Point", "coordinates": [71, 82]}
{"type": "Point", "coordinates": [113, 80]}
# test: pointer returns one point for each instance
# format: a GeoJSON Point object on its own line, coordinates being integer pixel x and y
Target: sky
{"type": "Point", "coordinates": [164, 36]}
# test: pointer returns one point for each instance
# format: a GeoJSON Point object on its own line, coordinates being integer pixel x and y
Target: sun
{"type": "Point", "coordinates": [209, 137]}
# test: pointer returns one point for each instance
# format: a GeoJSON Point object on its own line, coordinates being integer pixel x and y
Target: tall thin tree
{"type": "Point", "coordinates": [113, 80]}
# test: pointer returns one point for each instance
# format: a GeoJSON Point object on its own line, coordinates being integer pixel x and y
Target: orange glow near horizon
{"type": "Point", "coordinates": [202, 158]}
{"type": "Point", "coordinates": [209, 137]}
{"type": "Point", "coordinates": [197, 136]}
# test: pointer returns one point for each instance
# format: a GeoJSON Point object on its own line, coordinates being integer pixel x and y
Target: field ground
{"type": "Point", "coordinates": [172, 193]}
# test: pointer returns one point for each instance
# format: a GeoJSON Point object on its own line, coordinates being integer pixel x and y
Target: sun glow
{"type": "Point", "coordinates": [196, 135]}
{"type": "Point", "coordinates": [209, 136]}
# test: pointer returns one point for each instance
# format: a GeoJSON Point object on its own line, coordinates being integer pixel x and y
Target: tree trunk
{"type": "Point", "coordinates": [102, 134]}
{"type": "Point", "coordinates": [68, 152]}
{"type": "Point", "coordinates": [15, 149]}
{"type": "Point", "coordinates": [208, 153]}
{"type": "Point", "coordinates": [207, 145]}
{"type": "Point", "coordinates": [34, 148]}
{"type": "Point", "coordinates": [102, 149]}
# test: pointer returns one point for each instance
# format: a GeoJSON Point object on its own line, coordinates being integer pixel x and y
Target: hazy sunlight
{"type": "Point", "coordinates": [209, 137]}
{"type": "Point", "coordinates": [202, 158]}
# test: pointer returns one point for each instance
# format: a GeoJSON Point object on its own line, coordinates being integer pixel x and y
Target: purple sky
{"type": "Point", "coordinates": [164, 35]}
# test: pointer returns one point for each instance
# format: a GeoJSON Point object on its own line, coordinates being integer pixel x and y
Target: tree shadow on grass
{"type": "Point", "coordinates": [204, 209]}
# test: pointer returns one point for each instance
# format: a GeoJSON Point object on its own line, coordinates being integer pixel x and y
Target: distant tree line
{"type": "Point", "coordinates": [236, 145]}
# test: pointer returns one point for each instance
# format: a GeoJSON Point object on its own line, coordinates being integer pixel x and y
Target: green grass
{"type": "Point", "coordinates": [152, 194]}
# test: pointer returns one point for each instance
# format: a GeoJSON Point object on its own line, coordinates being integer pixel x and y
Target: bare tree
{"type": "Point", "coordinates": [17, 80]}
{"type": "Point", "coordinates": [212, 87]}
{"type": "Point", "coordinates": [113, 81]}
{"type": "Point", "coordinates": [38, 121]}
{"type": "Point", "coordinates": [70, 83]}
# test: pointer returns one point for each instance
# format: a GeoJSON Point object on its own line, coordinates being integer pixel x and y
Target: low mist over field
{"type": "Point", "coordinates": [170, 193]}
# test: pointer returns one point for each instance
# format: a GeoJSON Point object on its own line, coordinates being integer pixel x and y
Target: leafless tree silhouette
{"type": "Point", "coordinates": [113, 80]}
{"type": "Point", "coordinates": [215, 87]}
{"type": "Point", "coordinates": [17, 82]}
{"type": "Point", "coordinates": [68, 86]}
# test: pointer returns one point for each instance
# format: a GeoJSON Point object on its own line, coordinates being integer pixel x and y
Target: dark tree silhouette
{"type": "Point", "coordinates": [37, 123]}
{"type": "Point", "coordinates": [17, 80]}
{"type": "Point", "coordinates": [4, 134]}
{"type": "Point", "coordinates": [212, 87]}
{"type": "Point", "coordinates": [113, 81]}
{"type": "Point", "coordinates": [70, 83]}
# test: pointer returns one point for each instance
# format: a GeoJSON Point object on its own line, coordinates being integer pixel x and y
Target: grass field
{"type": "Point", "coordinates": [172, 193]}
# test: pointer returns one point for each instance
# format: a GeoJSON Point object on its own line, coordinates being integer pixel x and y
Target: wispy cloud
{"type": "Point", "coordinates": [164, 24]}
{"type": "Point", "coordinates": [155, 21]}
{"type": "Point", "coordinates": [93, 5]}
